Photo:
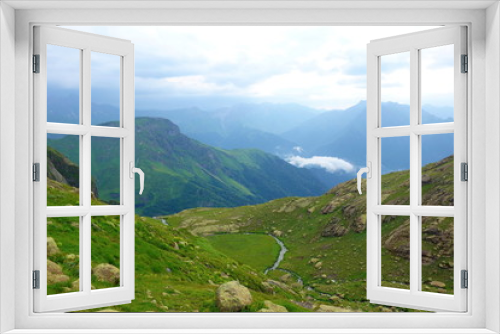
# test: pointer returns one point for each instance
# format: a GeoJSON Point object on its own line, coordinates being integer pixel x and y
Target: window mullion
{"type": "Point", "coordinates": [86, 183]}
{"type": "Point", "coordinates": [415, 265]}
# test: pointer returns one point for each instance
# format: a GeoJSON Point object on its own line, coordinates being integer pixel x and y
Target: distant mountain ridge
{"type": "Point", "coordinates": [183, 173]}
{"type": "Point", "coordinates": [342, 134]}
{"type": "Point", "coordinates": [288, 130]}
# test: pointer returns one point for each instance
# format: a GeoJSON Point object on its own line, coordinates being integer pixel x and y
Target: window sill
{"type": "Point", "coordinates": [251, 331]}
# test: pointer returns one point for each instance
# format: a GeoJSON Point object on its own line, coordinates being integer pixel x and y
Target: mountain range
{"type": "Point", "coordinates": [183, 173]}
{"type": "Point", "coordinates": [291, 130]}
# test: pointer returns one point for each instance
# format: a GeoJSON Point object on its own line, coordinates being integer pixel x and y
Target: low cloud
{"type": "Point", "coordinates": [330, 164]}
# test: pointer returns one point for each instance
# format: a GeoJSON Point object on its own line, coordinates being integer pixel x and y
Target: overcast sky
{"type": "Point", "coordinates": [320, 67]}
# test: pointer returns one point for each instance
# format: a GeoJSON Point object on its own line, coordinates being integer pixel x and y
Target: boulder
{"type": "Point", "coordinates": [76, 285]}
{"type": "Point", "coordinates": [272, 307]}
{"type": "Point", "coordinates": [277, 233]}
{"type": "Point", "coordinates": [106, 272]}
{"type": "Point", "coordinates": [232, 297]}
{"type": "Point", "coordinates": [426, 179]}
{"type": "Point", "coordinates": [438, 284]}
{"type": "Point", "coordinates": [55, 273]}
{"type": "Point", "coordinates": [52, 248]}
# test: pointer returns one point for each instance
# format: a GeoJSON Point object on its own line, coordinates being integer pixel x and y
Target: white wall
{"type": "Point", "coordinates": [492, 165]}
{"type": "Point", "coordinates": [7, 161]}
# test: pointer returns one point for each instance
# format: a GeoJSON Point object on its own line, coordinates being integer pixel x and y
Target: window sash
{"type": "Point", "coordinates": [86, 298]}
{"type": "Point", "coordinates": [414, 298]}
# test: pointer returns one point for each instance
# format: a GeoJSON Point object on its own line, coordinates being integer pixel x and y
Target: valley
{"type": "Point", "coordinates": [184, 258]}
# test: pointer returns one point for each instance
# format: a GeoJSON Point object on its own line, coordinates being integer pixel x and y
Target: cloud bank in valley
{"type": "Point", "coordinates": [330, 164]}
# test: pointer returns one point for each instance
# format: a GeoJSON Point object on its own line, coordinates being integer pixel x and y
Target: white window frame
{"type": "Point", "coordinates": [86, 44]}
{"type": "Point", "coordinates": [484, 103]}
{"type": "Point", "coordinates": [415, 297]}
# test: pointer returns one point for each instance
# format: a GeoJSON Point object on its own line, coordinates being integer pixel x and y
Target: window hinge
{"type": "Point", "coordinates": [36, 279]}
{"type": "Point", "coordinates": [36, 63]}
{"type": "Point", "coordinates": [465, 64]}
{"type": "Point", "coordinates": [36, 172]}
{"type": "Point", "coordinates": [464, 170]}
{"type": "Point", "coordinates": [465, 279]}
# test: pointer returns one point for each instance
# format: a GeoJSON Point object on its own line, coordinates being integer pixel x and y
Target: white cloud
{"type": "Point", "coordinates": [298, 149]}
{"type": "Point", "coordinates": [321, 67]}
{"type": "Point", "coordinates": [330, 164]}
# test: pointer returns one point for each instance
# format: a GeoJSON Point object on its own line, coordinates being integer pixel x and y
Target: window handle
{"type": "Point", "coordinates": [141, 176]}
{"type": "Point", "coordinates": [368, 171]}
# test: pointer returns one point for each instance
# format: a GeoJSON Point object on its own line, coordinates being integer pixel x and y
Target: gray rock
{"type": "Point", "coordinates": [232, 297]}
{"type": "Point", "coordinates": [106, 272]}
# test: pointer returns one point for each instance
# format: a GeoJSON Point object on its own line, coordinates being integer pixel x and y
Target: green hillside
{"type": "Point", "coordinates": [183, 173]}
{"type": "Point", "coordinates": [182, 259]}
{"type": "Point", "coordinates": [175, 271]}
{"type": "Point", "coordinates": [326, 235]}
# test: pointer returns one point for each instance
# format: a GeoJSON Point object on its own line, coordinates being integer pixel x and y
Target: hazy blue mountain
{"type": "Point", "coordinates": [241, 126]}
{"type": "Point", "coordinates": [445, 113]}
{"type": "Point", "coordinates": [183, 173]}
{"type": "Point", "coordinates": [268, 117]}
{"type": "Point", "coordinates": [284, 129]}
{"type": "Point", "coordinates": [63, 107]}
{"type": "Point", "coordinates": [245, 125]}
{"type": "Point", "coordinates": [342, 134]}
{"type": "Point", "coordinates": [242, 137]}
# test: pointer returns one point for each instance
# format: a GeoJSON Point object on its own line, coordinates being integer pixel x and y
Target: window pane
{"type": "Point", "coordinates": [395, 270]}
{"type": "Point", "coordinates": [63, 255]}
{"type": "Point", "coordinates": [106, 171]}
{"type": "Point", "coordinates": [105, 89]}
{"type": "Point", "coordinates": [63, 172]}
{"type": "Point", "coordinates": [437, 84]}
{"type": "Point", "coordinates": [63, 84]}
{"type": "Point", "coordinates": [395, 89]}
{"type": "Point", "coordinates": [105, 252]}
{"type": "Point", "coordinates": [437, 254]}
{"type": "Point", "coordinates": [437, 169]}
{"type": "Point", "coordinates": [395, 164]}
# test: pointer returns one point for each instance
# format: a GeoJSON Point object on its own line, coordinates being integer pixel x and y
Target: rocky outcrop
{"type": "Point", "coordinates": [334, 229]}
{"type": "Point", "coordinates": [106, 272]}
{"type": "Point", "coordinates": [398, 241]}
{"type": "Point", "coordinates": [232, 297]}
{"type": "Point", "coordinates": [359, 224]}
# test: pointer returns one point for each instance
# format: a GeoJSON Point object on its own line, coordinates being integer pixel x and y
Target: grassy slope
{"type": "Point", "coordinates": [175, 271]}
{"type": "Point", "coordinates": [259, 251]}
{"type": "Point", "coordinates": [179, 271]}
{"type": "Point", "coordinates": [301, 222]}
